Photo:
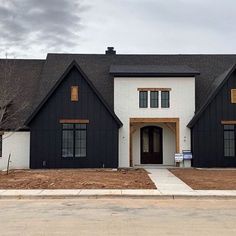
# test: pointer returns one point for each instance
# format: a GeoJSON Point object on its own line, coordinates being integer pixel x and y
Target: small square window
{"type": "Point", "coordinates": [74, 94]}
{"type": "Point", "coordinates": [233, 95]}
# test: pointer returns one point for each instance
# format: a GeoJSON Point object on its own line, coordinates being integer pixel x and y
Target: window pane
{"type": "Point", "coordinates": [165, 97]}
{"type": "Point", "coordinates": [67, 143]}
{"type": "Point", "coordinates": [228, 127]}
{"type": "Point", "coordinates": [143, 99]}
{"type": "Point", "coordinates": [145, 141]}
{"type": "Point", "coordinates": [154, 98]}
{"type": "Point", "coordinates": [229, 141]}
{"type": "Point", "coordinates": [80, 143]}
{"type": "Point", "coordinates": [67, 126]}
{"type": "Point", "coordinates": [156, 140]}
{"type": "Point", "coordinates": [80, 126]}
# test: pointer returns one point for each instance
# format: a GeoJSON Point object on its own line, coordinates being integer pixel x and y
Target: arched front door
{"type": "Point", "coordinates": [151, 145]}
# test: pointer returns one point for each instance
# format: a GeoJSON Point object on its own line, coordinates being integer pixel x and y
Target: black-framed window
{"type": "Point", "coordinates": [0, 145]}
{"type": "Point", "coordinates": [154, 98]}
{"type": "Point", "coordinates": [165, 99]}
{"type": "Point", "coordinates": [143, 99]}
{"type": "Point", "coordinates": [74, 140]}
{"type": "Point", "coordinates": [229, 140]}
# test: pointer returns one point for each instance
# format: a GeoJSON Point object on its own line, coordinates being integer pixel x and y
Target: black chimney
{"type": "Point", "coordinates": [110, 51]}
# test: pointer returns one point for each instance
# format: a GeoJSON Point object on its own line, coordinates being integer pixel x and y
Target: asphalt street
{"type": "Point", "coordinates": [124, 216]}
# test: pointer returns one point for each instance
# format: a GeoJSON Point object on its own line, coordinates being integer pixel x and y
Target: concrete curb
{"type": "Point", "coordinates": [114, 193]}
{"type": "Point", "coordinates": [160, 197]}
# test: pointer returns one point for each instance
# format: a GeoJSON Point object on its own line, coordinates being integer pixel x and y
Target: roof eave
{"type": "Point", "coordinates": [154, 74]}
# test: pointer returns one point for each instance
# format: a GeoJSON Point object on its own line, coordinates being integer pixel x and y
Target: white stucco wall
{"type": "Point", "coordinates": [18, 144]}
{"type": "Point", "coordinates": [126, 105]}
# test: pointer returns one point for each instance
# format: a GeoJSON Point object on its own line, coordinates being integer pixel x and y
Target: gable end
{"type": "Point", "coordinates": [70, 67]}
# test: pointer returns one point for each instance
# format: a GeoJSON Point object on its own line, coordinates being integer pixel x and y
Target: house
{"type": "Point", "coordinates": [112, 110]}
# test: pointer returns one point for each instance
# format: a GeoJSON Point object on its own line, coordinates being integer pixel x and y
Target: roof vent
{"type": "Point", "coordinates": [110, 51]}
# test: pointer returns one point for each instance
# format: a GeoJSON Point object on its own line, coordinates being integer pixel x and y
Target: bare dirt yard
{"type": "Point", "coordinates": [76, 179]}
{"type": "Point", "coordinates": [207, 179]}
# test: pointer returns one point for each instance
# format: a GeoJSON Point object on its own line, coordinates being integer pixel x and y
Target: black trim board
{"type": "Point", "coordinates": [225, 76]}
{"type": "Point", "coordinates": [154, 74]}
{"type": "Point", "coordinates": [73, 64]}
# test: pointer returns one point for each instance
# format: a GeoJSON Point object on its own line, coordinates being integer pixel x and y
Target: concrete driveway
{"type": "Point", "coordinates": [117, 217]}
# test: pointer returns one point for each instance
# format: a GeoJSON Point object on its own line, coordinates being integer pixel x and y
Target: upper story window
{"type": "Point", "coordinates": [74, 140]}
{"type": "Point", "coordinates": [229, 140]}
{"type": "Point", "coordinates": [233, 95]}
{"type": "Point", "coordinates": [143, 99]}
{"type": "Point", "coordinates": [154, 97]}
{"type": "Point", "coordinates": [74, 93]}
{"type": "Point", "coordinates": [165, 99]}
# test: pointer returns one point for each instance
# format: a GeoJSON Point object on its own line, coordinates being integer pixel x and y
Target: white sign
{"type": "Point", "coordinates": [179, 157]}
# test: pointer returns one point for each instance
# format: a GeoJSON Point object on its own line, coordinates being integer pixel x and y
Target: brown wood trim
{"type": "Point", "coordinates": [154, 89]}
{"type": "Point", "coordinates": [170, 127]}
{"type": "Point", "coordinates": [74, 121]}
{"type": "Point", "coordinates": [154, 120]}
{"type": "Point", "coordinates": [177, 138]}
{"type": "Point", "coordinates": [228, 122]}
{"type": "Point", "coordinates": [136, 121]}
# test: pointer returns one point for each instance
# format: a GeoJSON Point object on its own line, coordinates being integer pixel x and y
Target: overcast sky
{"type": "Point", "coordinates": [31, 28]}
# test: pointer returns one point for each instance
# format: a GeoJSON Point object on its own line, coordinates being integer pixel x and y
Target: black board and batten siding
{"type": "Point", "coordinates": [208, 132]}
{"type": "Point", "coordinates": [46, 130]}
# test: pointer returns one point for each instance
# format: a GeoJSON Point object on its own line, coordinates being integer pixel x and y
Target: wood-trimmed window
{"type": "Point", "coordinates": [74, 93]}
{"type": "Point", "coordinates": [229, 140]}
{"type": "Point", "coordinates": [165, 99]}
{"type": "Point", "coordinates": [143, 99]}
{"type": "Point", "coordinates": [154, 101]}
{"type": "Point", "coordinates": [74, 140]}
{"type": "Point", "coordinates": [233, 95]}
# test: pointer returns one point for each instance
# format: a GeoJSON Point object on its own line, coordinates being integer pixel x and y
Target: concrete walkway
{"type": "Point", "coordinates": [101, 193]}
{"type": "Point", "coordinates": [167, 183]}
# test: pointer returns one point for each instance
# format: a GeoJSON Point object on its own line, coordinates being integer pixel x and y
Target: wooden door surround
{"type": "Point", "coordinates": [171, 123]}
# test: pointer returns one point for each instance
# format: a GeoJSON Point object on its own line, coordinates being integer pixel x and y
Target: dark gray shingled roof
{"type": "Point", "coordinates": [24, 82]}
{"type": "Point", "coordinates": [39, 76]}
{"type": "Point", "coordinates": [213, 91]}
{"type": "Point", "coordinates": [152, 70]}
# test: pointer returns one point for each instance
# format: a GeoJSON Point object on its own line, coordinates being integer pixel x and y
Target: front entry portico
{"type": "Point", "coordinates": [153, 140]}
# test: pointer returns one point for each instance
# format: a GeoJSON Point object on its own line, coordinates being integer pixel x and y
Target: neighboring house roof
{"type": "Point", "coordinates": [23, 81]}
{"type": "Point", "coordinates": [73, 64]}
{"type": "Point", "coordinates": [217, 84]}
{"type": "Point", "coordinates": [38, 77]}
{"type": "Point", "coordinates": [152, 70]}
